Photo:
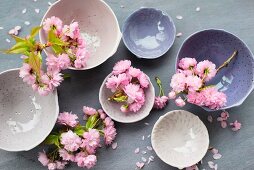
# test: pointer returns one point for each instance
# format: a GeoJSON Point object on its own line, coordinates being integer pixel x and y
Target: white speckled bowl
{"type": "Point", "coordinates": [96, 19]}
{"type": "Point", "coordinates": [26, 118]}
{"type": "Point", "coordinates": [113, 109]}
{"type": "Point", "coordinates": [180, 138]}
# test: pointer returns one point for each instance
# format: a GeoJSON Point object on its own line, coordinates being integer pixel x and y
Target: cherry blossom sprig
{"type": "Point", "coordinates": [67, 44]}
{"type": "Point", "coordinates": [160, 101]}
{"type": "Point", "coordinates": [76, 142]}
{"type": "Point", "coordinates": [128, 86]}
{"type": "Point", "coordinates": [191, 79]}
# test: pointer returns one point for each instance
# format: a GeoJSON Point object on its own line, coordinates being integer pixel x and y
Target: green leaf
{"type": "Point", "coordinates": [18, 39]}
{"type": "Point", "coordinates": [35, 62]}
{"type": "Point", "coordinates": [16, 51]}
{"type": "Point", "coordinates": [120, 99]}
{"type": "Point", "coordinates": [52, 140]}
{"type": "Point", "coordinates": [66, 76]}
{"type": "Point", "coordinates": [80, 130]}
{"type": "Point", "coordinates": [35, 31]}
{"type": "Point", "coordinates": [52, 37]}
{"type": "Point", "coordinates": [57, 49]}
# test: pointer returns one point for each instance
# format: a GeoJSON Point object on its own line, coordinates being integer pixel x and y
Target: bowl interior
{"type": "Point", "coordinates": [97, 22]}
{"type": "Point", "coordinates": [113, 109]}
{"type": "Point", "coordinates": [180, 138]}
{"type": "Point", "coordinates": [148, 33]}
{"type": "Point", "coordinates": [236, 80]}
{"type": "Point", "coordinates": [26, 118]}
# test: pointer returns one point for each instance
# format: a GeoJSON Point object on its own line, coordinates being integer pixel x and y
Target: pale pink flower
{"type": "Point", "coordinates": [25, 70]}
{"type": "Point", "coordinates": [55, 78]}
{"type": "Point", "coordinates": [172, 95]}
{"type": "Point", "coordinates": [102, 114]}
{"type": "Point", "coordinates": [178, 82]}
{"type": "Point", "coordinates": [135, 107]}
{"type": "Point", "coordinates": [134, 92]}
{"type": "Point", "coordinates": [91, 140]}
{"type": "Point", "coordinates": [82, 55]}
{"type": "Point", "coordinates": [193, 83]}
{"type": "Point", "coordinates": [115, 82]}
{"type": "Point", "coordinates": [236, 125]}
{"type": "Point", "coordinates": [52, 166]}
{"type": "Point", "coordinates": [59, 63]}
{"type": "Point", "coordinates": [35, 87]}
{"type": "Point", "coordinates": [206, 69]}
{"type": "Point", "coordinates": [72, 30]}
{"type": "Point", "coordinates": [143, 80]}
{"type": "Point", "coordinates": [121, 66]}
{"type": "Point", "coordinates": [185, 72]}
{"type": "Point", "coordinates": [134, 72]}
{"type": "Point", "coordinates": [160, 102]}
{"type": "Point", "coordinates": [89, 111]}
{"type": "Point", "coordinates": [53, 23]}
{"type": "Point", "coordinates": [80, 159]}
{"type": "Point", "coordinates": [124, 109]}
{"type": "Point", "coordinates": [180, 102]}
{"type": "Point", "coordinates": [90, 161]}
{"type": "Point", "coordinates": [29, 79]}
{"type": "Point", "coordinates": [71, 141]}
{"type": "Point", "coordinates": [224, 115]}
{"type": "Point", "coordinates": [187, 63]}
{"type": "Point", "coordinates": [108, 122]}
{"type": "Point", "coordinates": [60, 165]}
{"type": "Point", "coordinates": [81, 42]}
{"type": "Point", "coordinates": [68, 119]}
{"type": "Point", "coordinates": [109, 134]}
{"type": "Point", "coordinates": [65, 155]}
{"type": "Point", "coordinates": [44, 160]}
{"type": "Point", "coordinates": [44, 90]}
{"type": "Point", "coordinates": [87, 161]}
{"type": "Point", "coordinates": [196, 98]}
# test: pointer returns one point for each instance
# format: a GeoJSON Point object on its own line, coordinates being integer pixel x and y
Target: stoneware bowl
{"type": "Point", "coordinates": [149, 33]}
{"type": "Point", "coordinates": [98, 24]}
{"type": "Point", "coordinates": [180, 139]}
{"type": "Point", "coordinates": [113, 109]}
{"type": "Point", "coordinates": [236, 80]}
{"type": "Point", "coordinates": [26, 118]}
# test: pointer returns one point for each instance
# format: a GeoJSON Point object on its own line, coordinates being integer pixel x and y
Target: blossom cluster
{"type": "Point", "coordinates": [128, 85]}
{"type": "Point", "coordinates": [77, 143]}
{"type": "Point", "coordinates": [190, 79]}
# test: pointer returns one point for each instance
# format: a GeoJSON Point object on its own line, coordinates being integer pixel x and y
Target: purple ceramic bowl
{"type": "Point", "coordinates": [236, 80]}
{"type": "Point", "coordinates": [148, 33]}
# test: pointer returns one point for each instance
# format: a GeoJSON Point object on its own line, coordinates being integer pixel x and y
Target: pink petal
{"type": "Point", "coordinates": [215, 151]}
{"type": "Point", "coordinates": [114, 145]}
{"type": "Point", "coordinates": [219, 119]}
{"type": "Point", "coordinates": [210, 118]}
{"type": "Point", "coordinates": [140, 165]}
{"type": "Point", "coordinates": [215, 166]}
{"type": "Point", "coordinates": [211, 164]}
{"type": "Point", "coordinates": [149, 148]}
{"type": "Point", "coordinates": [223, 124]}
{"type": "Point", "coordinates": [136, 150]}
{"type": "Point", "coordinates": [143, 159]}
{"type": "Point", "coordinates": [217, 156]}
{"type": "Point", "coordinates": [179, 34]}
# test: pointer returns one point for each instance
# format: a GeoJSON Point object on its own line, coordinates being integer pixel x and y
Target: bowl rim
{"type": "Point", "coordinates": [119, 120]}
{"type": "Point", "coordinates": [168, 114]}
{"type": "Point", "coordinates": [227, 32]}
{"type": "Point", "coordinates": [137, 11]}
{"type": "Point", "coordinates": [117, 43]}
{"type": "Point", "coordinates": [55, 93]}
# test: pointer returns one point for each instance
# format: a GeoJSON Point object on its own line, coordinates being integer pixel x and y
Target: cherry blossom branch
{"type": "Point", "coordinates": [225, 64]}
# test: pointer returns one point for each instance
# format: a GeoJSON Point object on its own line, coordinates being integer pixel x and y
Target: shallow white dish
{"type": "Point", "coordinates": [98, 25]}
{"type": "Point", "coordinates": [180, 138]}
{"type": "Point", "coordinates": [113, 109]}
{"type": "Point", "coordinates": [26, 118]}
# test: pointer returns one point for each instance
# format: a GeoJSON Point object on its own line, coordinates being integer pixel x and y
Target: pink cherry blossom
{"type": "Point", "coordinates": [30, 79]}
{"type": "Point", "coordinates": [60, 62]}
{"type": "Point", "coordinates": [65, 155]}
{"type": "Point", "coordinates": [87, 161]}
{"type": "Point", "coordinates": [224, 115]}
{"type": "Point", "coordinates": [180, 102]}
{"type": "Point", "coordinates": [134, 72]}
{"type": "Point", "coordinates": [116, 81]}
{"type": "Point", "coordinates": [236, 125]}
{"type": "Point", "coordinates": [134, 92]}
{"type": "Point", "coordinates": [121, 66]}
{"type": "Point", "coordinates": [55, 78]}
{"type": "Point", "coordinates": [82, 55]}
{"type": "Point", "coordinates": [89, 111]}
{"type": "Point", "coordinates": [160, 102]}
{"type": "Point", "coordinates": [193, 167]}
{"type": "Point", "coordinates": [108, 122]}
{"type": "Point", "coordinates": [60, 165]}
{"type": "Point", "coordinates": [44, 160]}
{"type": "Point", "coordinates": [187, 63]}
{"type": "Point", "coordinates": [81, 42]}
{"type": "Point", "coordinates": [135, 107]}
{"type": "Point", "coordinates": [172, 95]}
{"type": "Point", "coordinates": [143, 80]}
{"type": "Point", "coordinates": [52, 166]}
{"type": "Point", "coordinates": [25, 70]}
{"type": "Point", "coordinates": [109, 134]}
{"type": "Point", "coordinates": [186, 72]}
{"type": "Point", "coordinates": [91, 140]}
{"type": "Point", "coordinates": [206, 69]}
{"type": "Point", "coordinates": [54, 23]}
{"type": "Point", "coordinates": [193, 83]}
{"type": "Point", "coordinates": [196, 98]}
{"type": "Point", "coordinates": [223, 124]}
{"type": "Point", "coordinates": [44, 90]}
{"type": "Point", "coordinates": [178, 82]}
{"type": "Point", "coordinates": [68, 119]}
{"type": "Point", "coordinates": [102, 114]}
{"type": "Point", "coordinates": [72, 30]}
{"type": "Point", "coordinates": [124, 109]}
{"type": "Point", "coordinates": [71, 141]}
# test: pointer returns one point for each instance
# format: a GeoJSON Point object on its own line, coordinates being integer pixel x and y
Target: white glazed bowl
{"type": "Point", "coordinates": [180, 138]}
{"type": "Point", "coordinates": [26, 118]}
{"type": "Point", "coordinates": [113, 109]}
{"type": "Point", "coordinates": [95, 19]}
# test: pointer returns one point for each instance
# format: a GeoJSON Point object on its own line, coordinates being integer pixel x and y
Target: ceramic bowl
{"type": "Point", "coordinates": [26, 118]}
{"type": "Point", "coordinates": [180, 138]}
{"type": "Point", "coordinates": [113, 109]}
{"type": "Point", "coordinates": [236, 80]}
{"type": "Point", "coordinates": [149, 33]}
{"type": "Point", "coordinates": [98, 24]}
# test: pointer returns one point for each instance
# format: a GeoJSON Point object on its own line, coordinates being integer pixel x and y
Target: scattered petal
{"type": "Point", "coordinates": [143, 152]}
{"type": "Point", "coordinates": [236, 125]}
{"type": "Point", "coordinates": [215, 167]}
{"type": "Point", "coordinates": [148, 136]}
{"type": "Point", "coordinates": [143, 159]}
{"type": "Point", "coordinates": [114, 145]}
{"type": "Point", "coordinates": [37, 10]}
{"type": "Point", "coordinates": [151, 158]}
{"type": "Point", "coordinates": [35, 0]}
{"type": "Point", "coordinates": [179, 17]}
{"type": "Point", "coordinates": [219, 119]}
{"type": "Point", "coordinates": [147, 124]}
{"type": "Point", "coordinates": [217, 156]}
{"type": "Point", "coordinates": [12, 32]}
{"type": "Point", "coordinates": [1, 28]}
{"type": "Point", "coordinates": [27, 23]}
{"type": "Point", "coordinates": [24, 11]}
{"type": "Point", "coordinates": [49, 3]}
{"type": "Point", "coordinates": [210, 119]}
{"type": "Point", "coordinates": [136, 151]}
{"type": "Point", "coordinates": [143, 137]}
{"type": "Point", "coordinates": [149, 148]}
{"type": "Point", "coordinates": [211, 164]}
{"type": "Point", "coordinates": [17, 28]}
{"type": "Point", "coordinates": [223, 124]}
{"type": "Point", "coordinates": [121, 6]}
{"type": "Point", "coordinates": [7, 40]}
{"type": "Point", "coordinates": [140, 165]}
{"type": "Point", "coordinates": [179, 34]}
{"type": "Point", "coordinates": [215, 151]}
{"type": "Point", "coordinates": [198, 9]}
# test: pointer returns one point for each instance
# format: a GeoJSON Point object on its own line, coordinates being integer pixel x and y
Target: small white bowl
{"type": "Point", "coordinates": [113, 109]}
{"type": "Point", "coordinates": [180, 138]}
{"type": "Point", "coordinates": [26, 118]}
{"type": "Point", "coordinates": [97, 23]}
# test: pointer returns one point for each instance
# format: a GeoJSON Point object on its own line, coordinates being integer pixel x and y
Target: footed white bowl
{"type": "Point", "coordinates": [26, 118]}
{"type": "Point", "coordinates": [180, 138]}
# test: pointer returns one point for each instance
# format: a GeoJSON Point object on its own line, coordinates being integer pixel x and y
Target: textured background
{"type": "Point", "coordinates": [83, 87]}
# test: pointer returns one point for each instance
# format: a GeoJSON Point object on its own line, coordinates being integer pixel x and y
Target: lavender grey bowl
{"type": "Point", "coordinates": [148, 33]}
{"type": "Point", "coordinates": [236, 80]}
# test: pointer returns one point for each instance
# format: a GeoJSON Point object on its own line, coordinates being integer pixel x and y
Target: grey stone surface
{"type": "Point", "coordinates": [83, 87]}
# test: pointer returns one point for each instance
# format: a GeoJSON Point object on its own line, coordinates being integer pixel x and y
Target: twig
{"type": "Point", "coordinates": [225, 64]}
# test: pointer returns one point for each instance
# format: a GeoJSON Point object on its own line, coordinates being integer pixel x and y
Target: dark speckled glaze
{"type": "Point", "coordinates": [236, 80]}
{"type": "Point", "coordinates": [148, 33]}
